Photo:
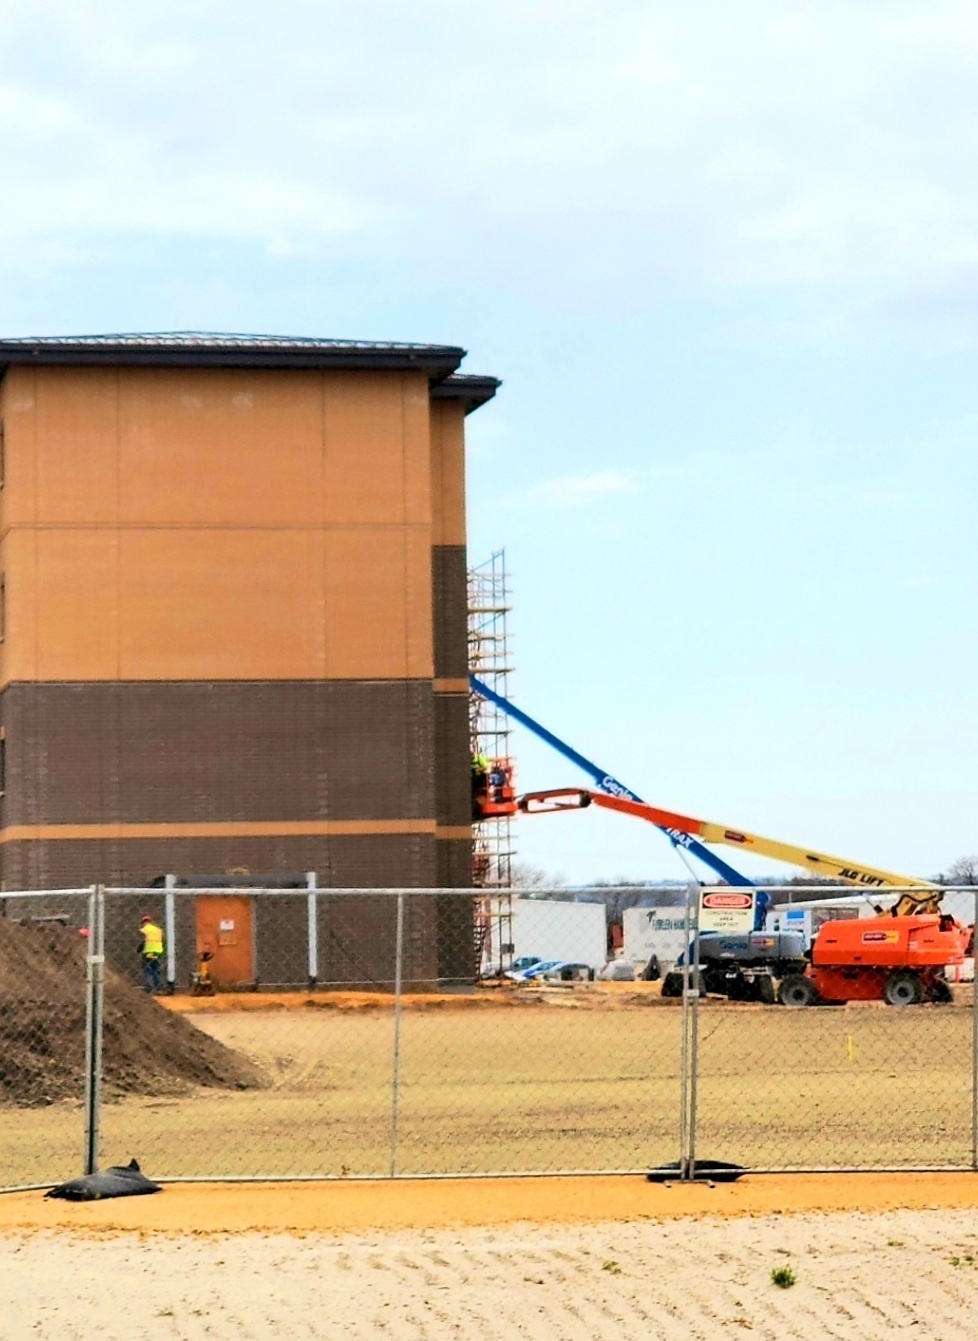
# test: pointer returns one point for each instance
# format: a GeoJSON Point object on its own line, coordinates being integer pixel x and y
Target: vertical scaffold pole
{"type": "Point", "coordinates": [94, 1010]}
{"type": "Point", "coordinates": [396, 1069]}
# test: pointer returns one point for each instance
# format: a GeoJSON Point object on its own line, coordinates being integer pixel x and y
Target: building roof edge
{"type": "Point", "coordinates": [472, 389]}
{"type": "Point", "coordinates": [203, 349]}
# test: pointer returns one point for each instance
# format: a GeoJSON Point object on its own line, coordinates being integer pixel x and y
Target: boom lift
{"type": "Point", "coordinates": [682, 841]}
{"type": "Point", "coordinates": [898, 956]}
{"type": "Point", "coordinates": [493, 789]}
{"type": "Point", "coordinates": [839, 868]}
{"type": "Point", "coordinates": [856, 970]}
{"type": "Point", "coordinates": [899, 959]}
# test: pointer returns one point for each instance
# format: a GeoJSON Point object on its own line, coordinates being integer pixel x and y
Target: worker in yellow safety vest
{"type": "Point", "coordinates": [480, 781]}
{"type": "Point", "coordinates": [151, 953]}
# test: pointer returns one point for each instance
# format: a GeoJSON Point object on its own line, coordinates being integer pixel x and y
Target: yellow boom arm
{"type": "Point", "coordinates": [838, 868]}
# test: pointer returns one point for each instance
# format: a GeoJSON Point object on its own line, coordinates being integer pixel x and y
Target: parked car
{"type": "Point", "coordinates": [618, 970]}
{"type": "Point", "coordinates": [536, 969]}
{"type": "Point", "coordinates": [553, 970]}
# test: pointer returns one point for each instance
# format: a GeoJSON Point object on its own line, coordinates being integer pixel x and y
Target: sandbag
{"type": "Point", "coordinates": [114, 1182]}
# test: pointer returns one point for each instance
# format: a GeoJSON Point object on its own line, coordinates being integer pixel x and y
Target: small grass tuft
{"type": "Point", "coordinates": [783, 1277]}
{"type": "Point", "coordinates": [611, 1266]}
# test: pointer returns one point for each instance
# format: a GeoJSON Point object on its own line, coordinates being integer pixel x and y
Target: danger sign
{"type": "Point", "coordinates": [728, 900]}
{"type": "Point", "coordinates": [726, 910]}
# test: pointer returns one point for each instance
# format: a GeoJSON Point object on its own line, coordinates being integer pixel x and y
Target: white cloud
{"type": "Point", "coordinates": [575, 491]}
{"type": "Point", "coordinates": [576, 147]}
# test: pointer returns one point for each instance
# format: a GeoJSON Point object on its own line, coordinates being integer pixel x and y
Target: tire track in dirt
{"type": "Point", "coordinates": [859, 1278]}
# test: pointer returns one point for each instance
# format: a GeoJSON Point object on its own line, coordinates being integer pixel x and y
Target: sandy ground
{"type": "Point", "coordinates": [863, 1276]}
{"type": "Point", "coordinates": [549, 1087]}
{"type": "Point", "coordinates": [570, 1258]}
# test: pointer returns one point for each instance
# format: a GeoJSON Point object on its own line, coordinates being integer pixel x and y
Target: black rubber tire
{"type": "Point", "coordinates": [672, 983]}
{"type": "Point", "coordinates": [940, 993]}
{"type": "Point", "coordinates": [903, 988]}
{"type": "Point", "coordinates": [797, 991]}
{"type": "Point", "coordinates": [765, 991]}
{"type": "Point", "coordinates": [734, 988]}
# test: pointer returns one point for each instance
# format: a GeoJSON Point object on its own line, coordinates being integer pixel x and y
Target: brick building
{"type": "Point", "coordinates": [233, 610]}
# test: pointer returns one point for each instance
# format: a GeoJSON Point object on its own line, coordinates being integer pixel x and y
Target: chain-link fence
{"type": "Point", "coordinates": [47, 1034]}
{"type": "Point", "coordinates": [233, 1032]}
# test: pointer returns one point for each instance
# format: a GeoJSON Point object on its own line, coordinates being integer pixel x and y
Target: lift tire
{"type": "Point", "coordinates": [903, 988]}
{"type": "Point", "coordinates": [940, 993]}
{"type": "Point", "coordinates": [672, 983]}
{"type": "Point", "coordinates": [735, 987]}
{"type": "Point", "coordinates": [765, 991]}
{"type": "Point", "coordinates": [797, 991]}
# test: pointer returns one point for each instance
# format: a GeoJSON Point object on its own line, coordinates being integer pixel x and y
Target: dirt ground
{"type": "Point", "coordinates": [579, 1258]}
{"type": "Point", "coordinates": [42, 1028]}
{"type": "Point", "coordinates": [556, 1080]}
{"type": "Point", "coordinates": [541, 1087]}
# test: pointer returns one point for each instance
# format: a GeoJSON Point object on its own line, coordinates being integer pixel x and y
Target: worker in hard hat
{"type": "Point", "coordinates": [480, 782]}
{"type": "Point", "coordinates": [151, 953]}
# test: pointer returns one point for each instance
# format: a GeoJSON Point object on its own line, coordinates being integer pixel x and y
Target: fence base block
{"type": "Point", "coordinates": [701, 1171]}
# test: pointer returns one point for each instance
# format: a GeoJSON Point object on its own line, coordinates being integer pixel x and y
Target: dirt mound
{"type": "Point", "coordinates": [146, 1049]}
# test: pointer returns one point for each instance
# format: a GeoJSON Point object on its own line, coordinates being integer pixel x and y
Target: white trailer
{"type": "Point", "coordinates": [653, 931]}
{"type": "Point", "coordinates": [552, 929]}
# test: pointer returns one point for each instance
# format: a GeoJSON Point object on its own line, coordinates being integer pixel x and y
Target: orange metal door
{"type": "Point", "coordinates": [225, 927]}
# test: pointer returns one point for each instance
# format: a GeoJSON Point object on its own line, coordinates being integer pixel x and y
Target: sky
{"type": "Point", "coordinates": [724, 258]}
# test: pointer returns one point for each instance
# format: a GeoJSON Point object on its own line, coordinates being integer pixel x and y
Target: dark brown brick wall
{"type": "Point", "coordinates": [357, 937]}
{"type": "Point", "coordinates": [453, 788]}
{"type": "Point", "coordinates": [453, 863]}
{"type": "Point", "coordinates": [450, 609]}
{"type": "Point", "coordinates": [218, 751]}
{"type": "Point", "coordinates": [356, 933]}
{"type": "Point", "coordinates": [351, 861]}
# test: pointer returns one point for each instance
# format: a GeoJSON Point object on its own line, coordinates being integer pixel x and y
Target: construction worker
{"type": "Point", "coordinates": [151, 953]}
{"type": "Point", "coordinates": [480, 776]}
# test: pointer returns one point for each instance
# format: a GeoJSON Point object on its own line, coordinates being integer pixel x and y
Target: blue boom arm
{"type": "Point", "coordinates": [607, 783]}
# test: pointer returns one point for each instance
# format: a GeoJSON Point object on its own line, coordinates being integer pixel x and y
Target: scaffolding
{"type": "Point", "coordinates": [489, 734]}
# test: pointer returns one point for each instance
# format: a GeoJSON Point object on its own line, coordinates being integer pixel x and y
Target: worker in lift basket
{"type": "Point", "coordinates": [480, 776]}
{"type": "Point", "coordinates": [151, 953]}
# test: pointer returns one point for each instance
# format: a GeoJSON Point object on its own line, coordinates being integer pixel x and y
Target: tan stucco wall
{"type": "Point", "coordinates": [447, 473]}
{"type": "Point", "coordinates": [215, 524]}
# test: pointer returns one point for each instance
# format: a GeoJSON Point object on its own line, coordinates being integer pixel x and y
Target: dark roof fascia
{"type": "Point", "coordinates": [471, 389]}
{"type": "Point", "coordinates": [438, 361]}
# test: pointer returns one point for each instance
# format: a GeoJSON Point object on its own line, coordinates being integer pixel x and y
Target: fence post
{"type": "Point", "coordinates": [94, 1010]}
{"type": "Point", "coordinates": [694, 1041]}
{"type": "Point", "coordinates": [974, 1033]}
{"type": "Point", "coordinates": [685, 1077]}
{"type": "Point", "coordinates": [170, 928]}
{"type": "Point", "coordinates": [396, 1071]}
{"type": "Point", "coordinates": [312, 930]}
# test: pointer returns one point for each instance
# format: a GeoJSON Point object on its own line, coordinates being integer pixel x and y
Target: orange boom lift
{"type": "Point", "coordinates": [898, 957]}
